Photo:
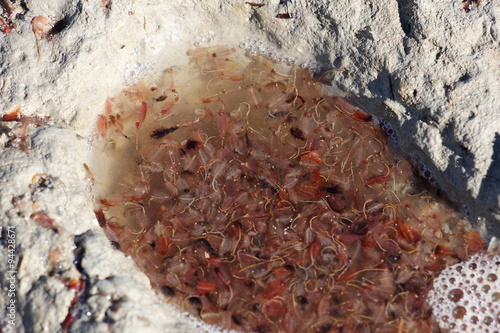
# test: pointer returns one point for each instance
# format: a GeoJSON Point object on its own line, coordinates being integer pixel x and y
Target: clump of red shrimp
{"type": "Point", "coordinates": [266, 205]}
{"type": "Point", "coordinates": [6, 17]}
{"type": "Point", "coordinates": [18, 133]}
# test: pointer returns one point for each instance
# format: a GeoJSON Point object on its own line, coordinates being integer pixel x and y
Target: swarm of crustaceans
{"type": "Point", "coordinates": [257, 202]}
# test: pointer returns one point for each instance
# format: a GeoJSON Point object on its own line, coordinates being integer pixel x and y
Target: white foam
{"type": "Point", "coordinates": [466, 296]}
{"type": "Point", "coordinates": [256, 46]}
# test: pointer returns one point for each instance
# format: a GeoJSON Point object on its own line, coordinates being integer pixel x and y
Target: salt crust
{"type": "Point", "coordinates": [466, 296]}
{"type": "Point", "coordinates": [429, 62]}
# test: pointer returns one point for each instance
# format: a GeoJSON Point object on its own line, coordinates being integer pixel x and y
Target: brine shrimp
{"type": "Point", "coordinates": [263, 204]}
{"type": "Point", "coordinates": [19, 134]}
{"type": "Point", "coordinates": [41, 26]}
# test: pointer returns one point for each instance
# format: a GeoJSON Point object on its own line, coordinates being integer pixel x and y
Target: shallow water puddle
{"type": "Point", "coordinates": [256, 201]}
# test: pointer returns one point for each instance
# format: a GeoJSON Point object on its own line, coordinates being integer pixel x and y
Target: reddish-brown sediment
{"type": "Point", "coordinates": [257, 202]}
